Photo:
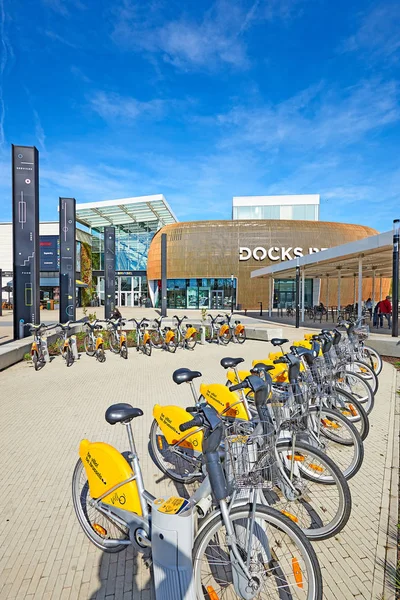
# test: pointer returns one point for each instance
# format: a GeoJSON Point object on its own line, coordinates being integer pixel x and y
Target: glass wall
{"type": "Point", "coordinates": [285, 292]}
{"type": "Point", "coordinates": [300, 212]}
{"type": "Point", "coordinates": [132, 242]}
{"type": "Point", "coordinates": [212, 293]}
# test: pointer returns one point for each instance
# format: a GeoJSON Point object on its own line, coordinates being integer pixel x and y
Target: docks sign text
{"type": "Point", "coordinates": [274, 253]}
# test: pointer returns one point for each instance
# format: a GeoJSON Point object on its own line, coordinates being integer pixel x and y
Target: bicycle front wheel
{"type": "Point", "coordinates": [97, 526]}
{"type": "Point", "coordinates": [113, 341]}
{"type": "Point", "coordinates": [350, 408]}
{"type": "Point", "coordinates": [372, 358]}
{"type": "Point", "coordinates": [323, 505]}
{"type": "Point", "coordinates": [366, 372]}
{"type": "Point", "coordinates": [357, 387]}
{"type": "Point", "coordinates": [90, 348]}
{"type": "Point", "coordinates": [280, 558]}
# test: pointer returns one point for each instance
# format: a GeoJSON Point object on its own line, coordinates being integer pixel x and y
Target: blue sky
{"type": "Point", "coordinates": [204, 100]}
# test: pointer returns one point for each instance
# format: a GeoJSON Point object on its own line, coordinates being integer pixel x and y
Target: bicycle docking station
{"type": "Point", "coordinates": [172, 544]}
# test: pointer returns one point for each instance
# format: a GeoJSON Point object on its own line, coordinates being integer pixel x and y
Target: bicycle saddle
{"type": "Point", "coordinates": [121, 413]}
{"type": "Point", "coordinates": [227, 363]}
{"type": "Point", "coordinates": [278, 341]}
{"type": "Point", "coordinates": [259, 367]}
{"type": "Point", "coordinates": [184, 375]}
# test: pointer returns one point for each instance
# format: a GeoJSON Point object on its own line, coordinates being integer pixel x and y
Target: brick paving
{"type": "Point", "coordinates": [43, 552]}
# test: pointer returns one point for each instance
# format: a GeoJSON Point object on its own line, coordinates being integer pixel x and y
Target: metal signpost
{"type": "Point", "coordinates": [163, 274]}
{"type": "Point", "coordinates": [297, 295]}
{"type": "Point", "coordinates": [25, 212]}
{"type": "Point", "coordinates": [109, 271]}
{"type": "Point", "coordinates": [67, 260]}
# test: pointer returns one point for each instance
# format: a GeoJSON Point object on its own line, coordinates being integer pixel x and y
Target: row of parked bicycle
{"type": "Point", "coordinates": [147, 336]}
{"type": "Point", "coordinates": [273, 447]}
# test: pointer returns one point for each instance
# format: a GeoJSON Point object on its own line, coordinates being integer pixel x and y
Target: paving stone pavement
{"type": "Point", "coordinates": [43, 552]}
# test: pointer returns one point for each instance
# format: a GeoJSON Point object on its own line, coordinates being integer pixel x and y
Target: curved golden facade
{"type": "Point", "coordinates": [211, 249]}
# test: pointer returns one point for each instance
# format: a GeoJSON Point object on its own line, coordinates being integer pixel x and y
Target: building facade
{"type": "Point", "coordinates": [300, 207]}
{"type": "Point", "coordinates": [136, 221]}
{"type": "Point", "coordinates": [209, 262]}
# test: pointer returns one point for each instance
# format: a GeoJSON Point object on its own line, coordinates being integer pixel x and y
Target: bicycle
{"type": "Point", "coordinates": [180, 458]}
{"type": "Point", "coordinates": [117, 337]}
{"type": "Point", "coordinates": [237, 331]}
{"type": "Point", "coordinates": [185, 338]}
{"type": "Point", "coordinates": [94, 342]}
{"type": "Point", "coordinates": [163, 338]}
{"type": "Point", "coordinates": [219, 330]}
{"type": "Point", "coordinates": [39, 351]}
{"type": "Point", "coordinates": [239, 550]}
{"type": "Point", "coordinates": [142, 337]}
{"type": "Point", "coordinates": [290, 311]}
{"type": "Point", "coordinates": [67, 344]}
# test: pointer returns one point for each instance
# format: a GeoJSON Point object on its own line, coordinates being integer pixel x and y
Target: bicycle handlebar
{"type": "Point", "coordinates": [197, 421]}
{"type": "Point", "coordinates": [139, 323]}
{"type": "Point", "coordinates": [180, 320]}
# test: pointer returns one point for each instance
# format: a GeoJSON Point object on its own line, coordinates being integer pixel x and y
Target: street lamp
{"type": "Point", "coordinates": [232, 280]}
{"type": "Point", "coordinates": [395, 279]}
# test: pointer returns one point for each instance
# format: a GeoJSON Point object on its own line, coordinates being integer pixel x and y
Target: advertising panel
{"type": "Point", "coordinates": [109, 271]}
{"type": "Point", "coordinates": [67, 260]}
{"type": "Point", "coordinates": [49, 253]}
{"type": "Point", "coordinates": [25, 196]}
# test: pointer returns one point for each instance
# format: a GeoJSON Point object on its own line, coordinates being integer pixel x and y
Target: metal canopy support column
{"type": "Point", "coordinates": [380, 288]}
{"type": "Point", "coordinates": [338, 291]}
{"type": "Point", "coordinates": [395, 279]}
{"type": "Point", "coordinates": [354, 289]}
{"type": "Point", "coordinates": [327, 291]}
{"type": "Point", "coordinates": [360, 275]}
{"type": "Point", "coordinates": [303, 292]}
{"type": "Point", "coordinates": [373, 286]}
{"type": "Point", "coordinates": [271, 296]}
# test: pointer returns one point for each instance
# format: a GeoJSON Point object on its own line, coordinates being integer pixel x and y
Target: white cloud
{"type": "Point", "coordinates": [215, 39]}
{"type": "Point", "coordinates": [315, 118]}
{"type": "Point", "coordinates": [378, 33]}
{"type": "Point", "coordinates": [112, 106]}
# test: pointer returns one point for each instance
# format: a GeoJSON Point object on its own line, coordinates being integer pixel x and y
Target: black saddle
{"type": "Point", "coordinates": [261, 367]}
{"type": "Point", "coordinates": [184, 375]}
{"type": "Point", "coordinates": [121, 413]}
{"type": "Point", "coordinates": [227, 363]}
{"type": "Point", "coordinates": [278, 341]}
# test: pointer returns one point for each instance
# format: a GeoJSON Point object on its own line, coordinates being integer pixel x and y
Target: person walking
{"type": "Point", "coordinates": [377, 316]}
{"type": "Point", "coordinates": [368, 306]}
{"type": "Point", "coordinates": [385, 308]}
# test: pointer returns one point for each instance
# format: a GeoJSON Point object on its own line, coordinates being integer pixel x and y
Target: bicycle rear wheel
{"type": "Point", "coordinates": [241, 336]}
{"type": "Point", "coordinates": [191, 342]}
{"type": "Point", "coordinates": [366, 372]}
{"type": "Point", "coordinates": [358, 387]}
{"type": "Point", "coordinates": [101, 355]}
{"type": "Point", "coordinates": [69, 357]}
{"type": "Point", "coordinates": [372, 358]}
{"type": "Point", "coordinates": [35, 360]}
{"type": "Point", "coordinates": [225, 337]}
{"type": "Point", "coordinates": [113, 341]}
{"type": "Point", "coordinates": [95, 524]}
{"type": "Point", "coordinates": [352, 409]}
{"type": "Point", "coordinates": [156, 339]}
{"type": "Point", "coordinates": [280, 558]}
{"type": "Point", "coordinates": [124, 350]}
{"type": "Point", "coordinates": [146, 348]}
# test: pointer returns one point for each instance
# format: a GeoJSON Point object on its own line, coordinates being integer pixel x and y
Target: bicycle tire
{"type": "Point", "coordinates": [89, 345]}
{"type": "Point", "coordinates": [113, 341]}
{"type": "Point", "coordinates": [360, 420]}
{"type": "Point", "coordinates": [176, 471]}
{"type": "Point", "coordinates": [241, 337]}
{"type": "Point", "coordinates": [156, 339]}
{"type": "Point", "coordinates": [191, 342]}
{"type": "Point", "coordinates": [312, 507]}
{"type": "Point", "coordinates": [281, 527]}
{"type": "Point", "coordinates": [366, 372]}
{"type": "Point", "coordinates": [171, 346]}
{"type": "Point", "coordinates": [357, 387]}
{"type": "Point", "coordinates": [124, 350]}
{"type": "Point", "coordinates": [35, 360]}
{"type": "Point", "coordinates": [348, 452]}
{"type": "Point", "coordinates": [101, 355]}
{"type": "Point", "coordinates": [80, 495]}
{"type": "Point", "coordinates": [368, 356]}
{"type": "Point", "coordinates": [225, 338]}
{"type": "Point", "coordinates": [147, 348]}
{"type": "Point", "coordinates": [69, 359]}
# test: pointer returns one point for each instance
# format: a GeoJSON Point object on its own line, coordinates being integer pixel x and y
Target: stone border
{"type": "Point", "coordinates": [386, 549]}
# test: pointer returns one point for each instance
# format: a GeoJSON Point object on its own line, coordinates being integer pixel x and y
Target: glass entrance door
{"type": "Point", "coordinates": [217, 299]}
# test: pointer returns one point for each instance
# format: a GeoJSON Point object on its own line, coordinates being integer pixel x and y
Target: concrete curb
{"type": "Point", "coordinates": [386, 547]}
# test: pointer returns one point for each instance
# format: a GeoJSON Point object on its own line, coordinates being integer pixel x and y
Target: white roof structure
{"type": "Point", "coordinates": [375, 252]}
{"type": "Point", "coordinates": [276, 200]}
{"type": "Point", "coordinates": [141, 209]}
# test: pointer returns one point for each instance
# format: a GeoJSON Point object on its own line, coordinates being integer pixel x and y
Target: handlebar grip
{"type": "Point", "coordinates": [197, 421]}
{"type": "Point", "coordinates": [238, 386]}
{"type": "Point", "coordinates": [192, 409]}
{"type": "Point", "coordinates": [280, 361]}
